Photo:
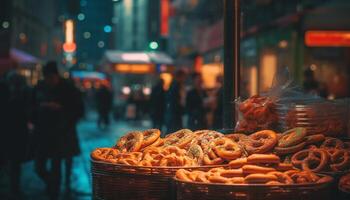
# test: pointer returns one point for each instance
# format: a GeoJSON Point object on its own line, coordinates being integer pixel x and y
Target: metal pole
{"type": "Point", "coordinates": [232, 20]}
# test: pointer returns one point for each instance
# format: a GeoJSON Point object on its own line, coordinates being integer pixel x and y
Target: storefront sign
{"type": "Point", "coordinates": [134, 68]}
{"type": "Point", "coordinates": [327, 38]}
{"type": "Point", "coordinates": [164, 17]}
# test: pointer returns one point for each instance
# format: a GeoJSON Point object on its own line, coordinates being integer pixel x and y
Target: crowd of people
{"type": "Point", "coordinates": [39, 124]}
{"type": "Point", "coordinates": [195, 107]}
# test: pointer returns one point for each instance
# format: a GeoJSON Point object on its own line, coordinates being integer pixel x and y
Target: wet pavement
{"type": "Point", "coordinates": [90, 137]}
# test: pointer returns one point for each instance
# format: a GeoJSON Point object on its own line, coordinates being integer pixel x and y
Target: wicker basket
{"type": "Point", "coordinates": [211, 191]}
{"type": "Point", "coordinates": [112, 181]}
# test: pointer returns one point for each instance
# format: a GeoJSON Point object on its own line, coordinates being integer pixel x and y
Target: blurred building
{"type": "Point", "coordinates": [94, 32]}
{"type": "Point", "coordinates": [137, 25]}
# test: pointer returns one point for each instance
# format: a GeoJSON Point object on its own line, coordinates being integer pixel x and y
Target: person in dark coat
{"type": "Point", "coordinates": [157, 104]}
{"type": "Point", "coordinates": [195, 104]}
{"type": "Point", "coordinates": [175, 102]}
{"type": "Point", "coordinates": [104, 99]}
{"type": "Point", "coordinates": [58, 107]}
{"type": "Point", "coordinates": [18, 118]}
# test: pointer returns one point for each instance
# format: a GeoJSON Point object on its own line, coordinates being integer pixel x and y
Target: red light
{"type": "Point", "coordinates": [327, 38]}
{"type": "Point", "coordinates": [69, 47]}
{"type": "Point", "coordinates": [164, 17]}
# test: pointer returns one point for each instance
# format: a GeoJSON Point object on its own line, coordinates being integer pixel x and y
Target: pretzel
{"type": "Point", "coordinates": [149, 137]}
{"type": "Point", "coordinates": [238, 163]}
{"type": "Point", "coordinates": [173, 150]}
{"type": "Point", "coordinates": [183, 175]}
{"type": "Point", "coordinates": [130, 142]}
{"type": "Point", "coordinates": [212, 161]}
{"type": "Point", "coordinates": [218, 179]}
{"type": "Point", "coordinates": [180, 138]}
{"type": "Point", "coordinates": [157, 143]}
{"type": "Point", "coordinates": [340, 160]}
{"type": "Point", "coordinates": [284, 167]}
{"type": "Point", "coordinates": [332, 143]}
{"type": "Point", "coordinates": [282, 177]}
{"type": "Point", "coordinates": [260, 178]}
{"type": "Point", "coordinates": [205, 138]}
{"type": "Point", "coordinates": [237, 137]}
{"type": "Point", "coordinates": [289, 150]}
{"type": "Point", "coordinates": [231, 173]}
{"type": "Point", "coordinates": [292, 137]}
{"type": "Point", "coordinates": [314, 160]}
{"type": "Point", "coordinates": [263, 159]}
{"type": "Point", "coordinates": [254, 169]}
{"type": "Point", "coordinates": [304, 177]}
{"type": "Point", "coordinates": [237, 180]}
{"type": "Point", "coordinates": [315, 139]}
{"type": "Point", "coordinates": [261, 142]}
{"type": "Point", "coordinates": [195, 152]}
{"type": "Point", "coordinates": [104, 154]}
{"type": "Point", "coordinates": [226, 148]}
{"type": "Point", "coordinates": [344, 183]}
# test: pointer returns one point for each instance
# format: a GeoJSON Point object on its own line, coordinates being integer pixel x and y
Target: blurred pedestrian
{"type": "Point", "coordinates": [104, 99]}
{"type": "Point", "coordinates": [157, 104]}
{"type": "Point", "coordinates": [18, 119]}
{"type": "Point", "coordinates": [174, 99]}
{"type": "Point", "coordinates": [195, 105]}
{"type": "Point", "coordinates": [58, 107]}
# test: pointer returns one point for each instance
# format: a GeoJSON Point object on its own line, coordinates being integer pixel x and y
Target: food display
{"type": "Point", "coordinates": [256, 113]}
{"type": "Point", "coordinates": [255, 169]}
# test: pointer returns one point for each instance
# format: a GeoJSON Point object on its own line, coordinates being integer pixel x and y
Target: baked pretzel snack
{"type": "Point", "coordinates": [344, 183]}
{"type": "Point", "coordinates": [180, 138]}
{"type": "Point", "coordinates": [289, 150]}
{"type": "Point", "coordinates": [261, 142]}
{"type": "Point", "coordinates": [238, 138]}
{"type": "Point", "coordinates": [226, 148]}
{"type": "Point", "coordinates": [333, 143]}
{"type": "Point", "coordinates": [149, 137]}
{"type": "Point", "coordinates": [292, 137]}
{"type": "Point", "coordinates": [131, 142]}
{"type": "Point", "coordinates": [237, 176]}
{"type": "Point", "coordinates": [340, 160]}
{"type": "Point", "coordinates": [104, 154]}
{"type": "Point", "coordinates": [315, 139]}
{"type": "Point", "coordinates": [314, 160]}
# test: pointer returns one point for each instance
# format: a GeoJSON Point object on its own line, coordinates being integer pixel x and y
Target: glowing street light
{"type": "Point", "coordinates": [153, 45]}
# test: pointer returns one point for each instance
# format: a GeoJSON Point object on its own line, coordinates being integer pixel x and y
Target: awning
{"type": "Point", "coordinates": [22, 57]}
{"type": "Point", "coordinates": [120, 57]}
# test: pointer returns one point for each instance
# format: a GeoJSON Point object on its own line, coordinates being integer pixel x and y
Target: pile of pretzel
{"type": "Point", "coordinates": [309, 152]}
{"type": "Point", "coordinates": [344, 183]}
{"type": "Point", "coordinates": [255, 169]}
{"type": "Point", "coordinates": [257, 113]}
{"type": "Point", "coordinates": [182, 148]}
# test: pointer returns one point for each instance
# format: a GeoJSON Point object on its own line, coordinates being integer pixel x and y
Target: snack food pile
{"type": "Point", "coordinates": [255, 169]}
{"type": "Point", "coordinates": [257, 113]}
{"type": "Point", "coordinates": [182, 148]}
{"type": "Point", "coordinates": [344, 183]}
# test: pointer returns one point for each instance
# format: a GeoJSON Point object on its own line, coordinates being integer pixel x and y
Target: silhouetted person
{"type": "Point", "coordinates": [175, 102]}
{"type": "Point", "coordinates": [310, 85]}
{"type": "Point", "coordinates": [195, 104]}
{"type": "Point", "coordinates": [104, 98]}
{"type": "Point", "coordinates": [58, 106]}
{"type": "Point", "coordinates": [18, 118]}
{"type": "Point", "coordinates": [157, 104]}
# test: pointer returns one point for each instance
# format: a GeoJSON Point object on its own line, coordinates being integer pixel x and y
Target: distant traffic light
{"type": "Point", "coordinates": [153, 45]}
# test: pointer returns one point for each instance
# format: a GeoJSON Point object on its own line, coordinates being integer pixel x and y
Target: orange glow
{"type": "Point", "coordinates": [253, 82]}
{"type": "Point", "coordinates": [164, 18]}
{"type": "Point", "coordinates": [134, 68]}
{"type": "Point", "coordinates": [167, 78]}
{"type": "Point", "coordinates": [268, 70]}
{"type": "Point", "coordinates": [198, 62]}
{"type": "Point", "coordinates": [327, 38]}
{"type": "Point", "coordinates": [69, 47]}
{"type": "Point", "coordinates": [209, 74]}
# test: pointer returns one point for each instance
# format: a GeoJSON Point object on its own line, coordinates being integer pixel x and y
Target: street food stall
{"type": "Point", "coordinates": [271, 146]}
